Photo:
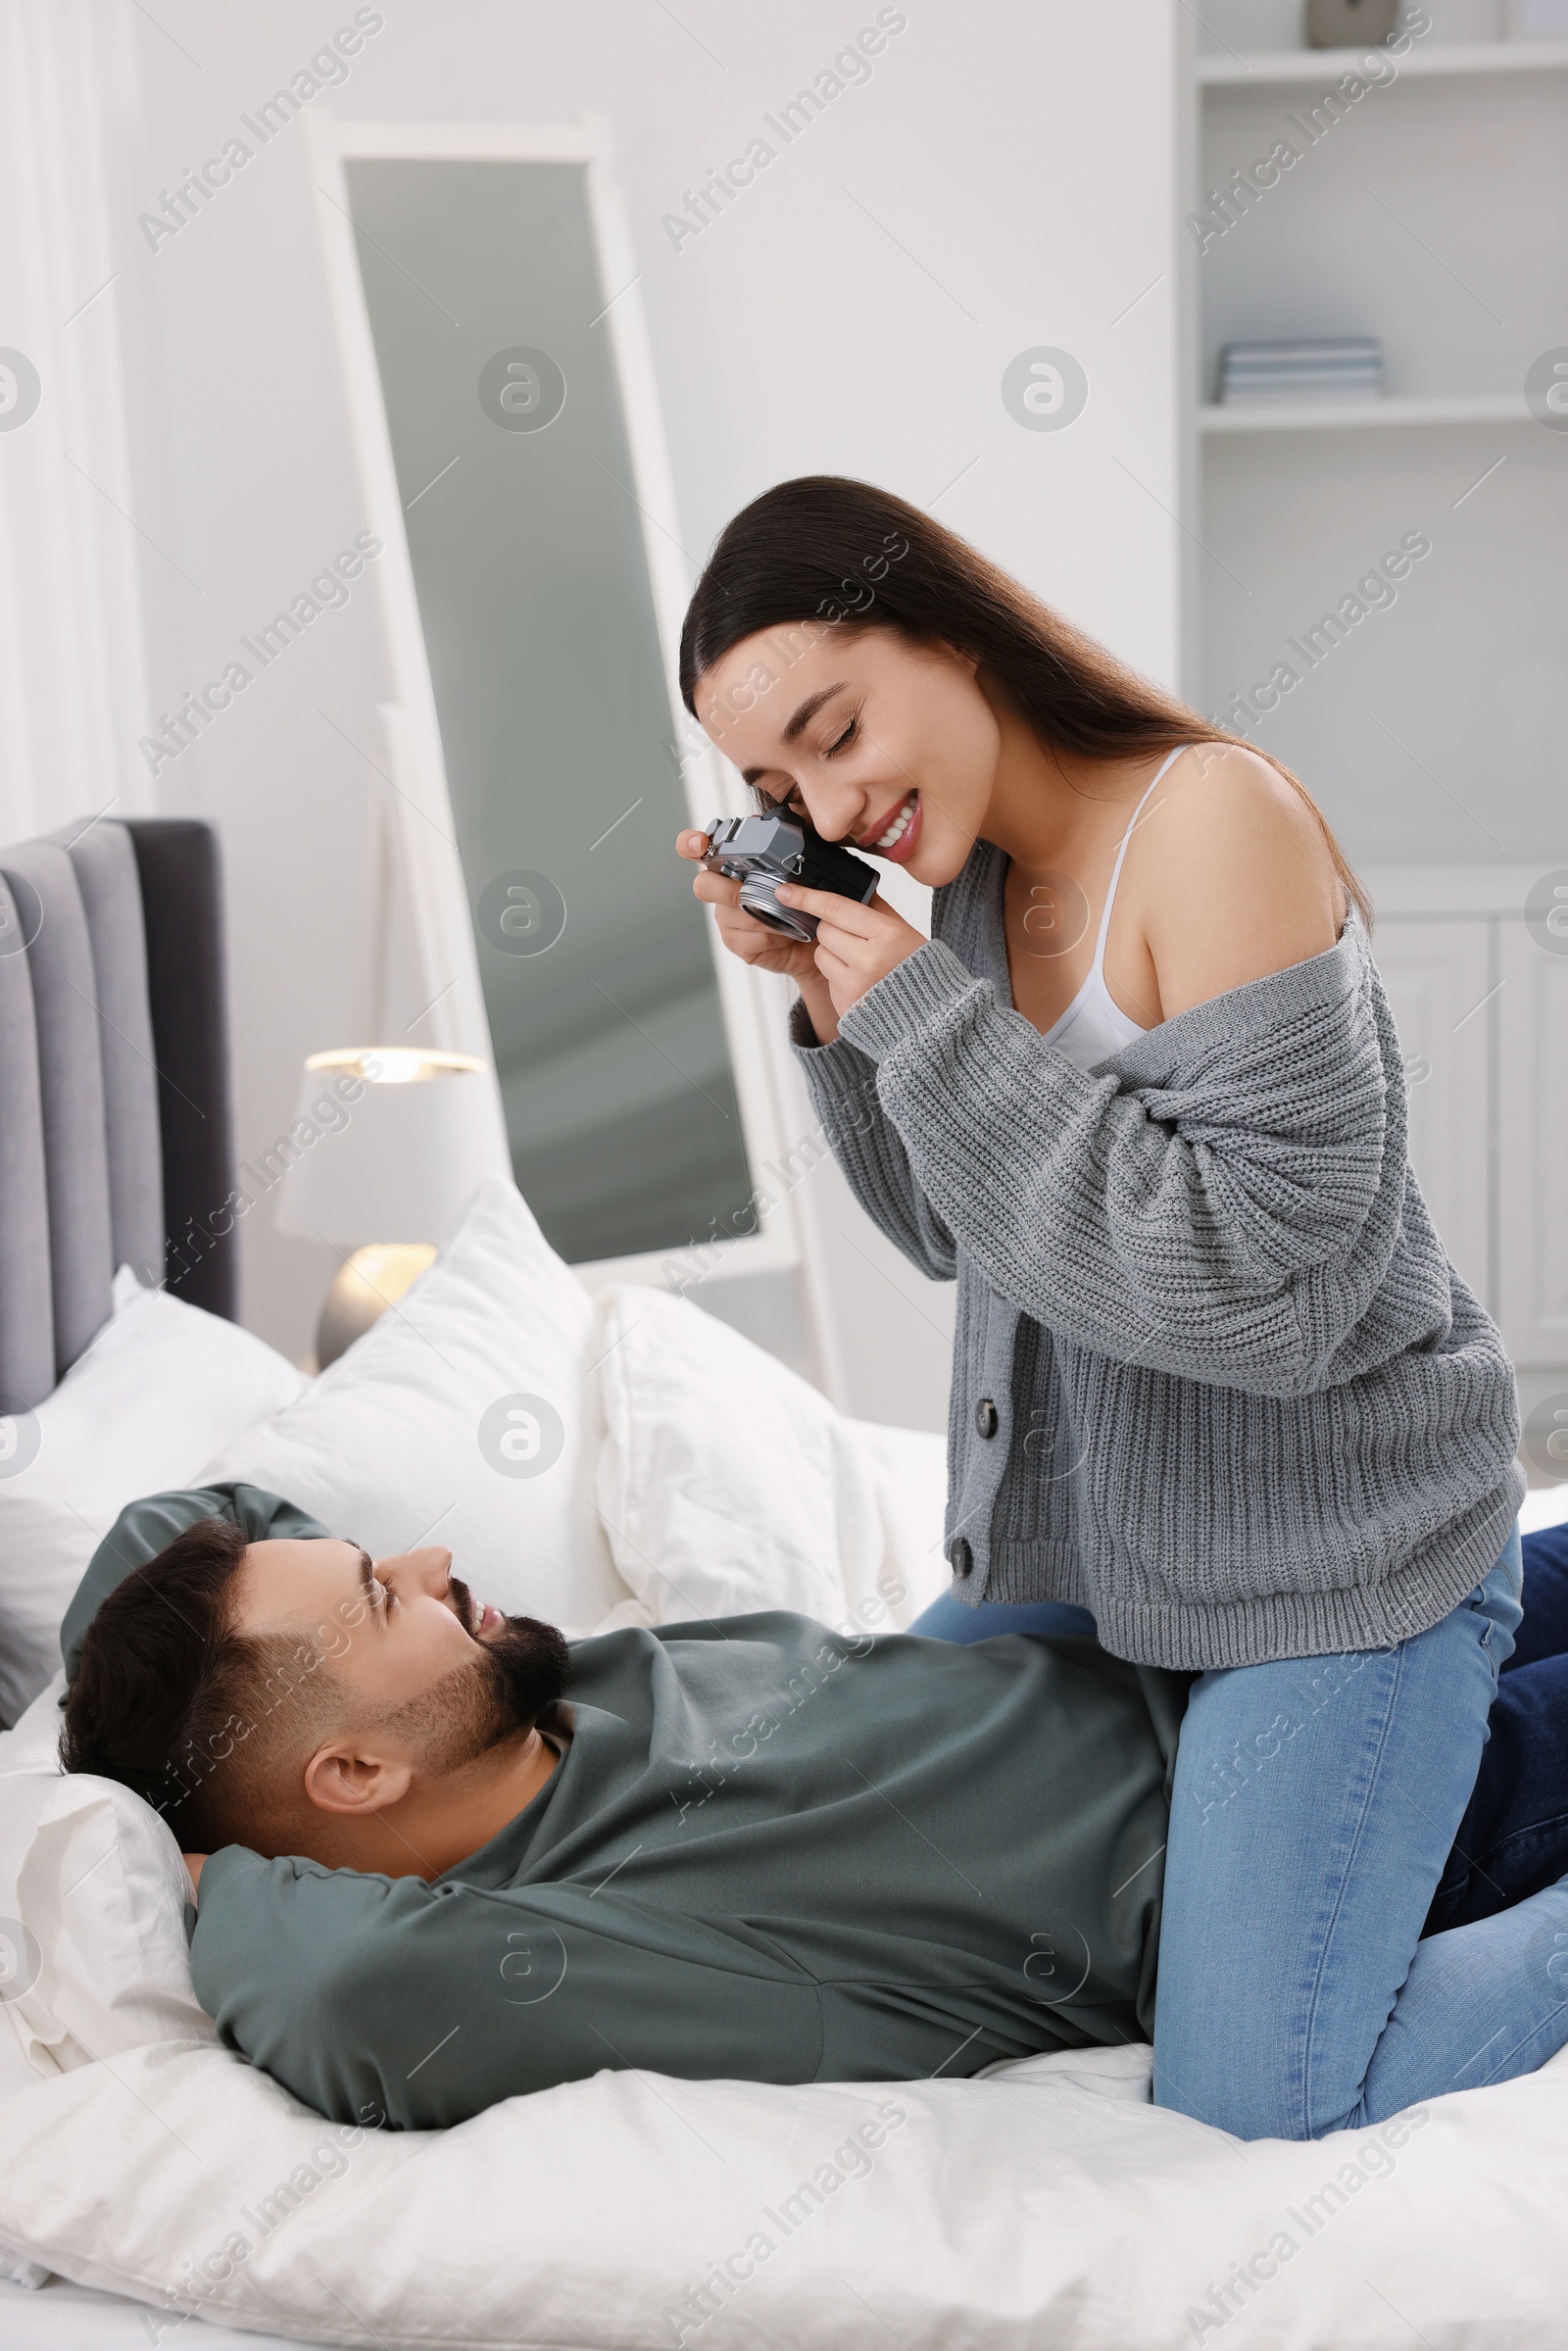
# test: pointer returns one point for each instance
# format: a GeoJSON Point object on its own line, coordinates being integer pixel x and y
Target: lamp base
{"type": "Point", "coordinates": [362, 1287]}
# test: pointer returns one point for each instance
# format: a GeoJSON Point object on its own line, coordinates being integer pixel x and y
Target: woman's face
{"type": "Point", "coordinates": [885, 742]}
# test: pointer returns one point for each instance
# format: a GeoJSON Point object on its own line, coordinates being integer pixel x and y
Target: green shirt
{"type": "Point", "coordinates": [768, 1852]}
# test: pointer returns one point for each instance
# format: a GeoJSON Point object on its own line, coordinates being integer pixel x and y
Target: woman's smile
{"type": "Point", "coordinates": [895, 836]}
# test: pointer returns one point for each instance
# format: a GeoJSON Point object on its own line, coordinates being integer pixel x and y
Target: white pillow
{"type": "Point", "coordinates": [467, 1415]}
{"type": "Point", "coordinates": [159, 1390]}
{"type": "Point", "coordinates": [728, 1483]}
{"type": "Point", "coordinates": [99, 1890]}
{"type": "Point", "coordinates": [94, 1958]}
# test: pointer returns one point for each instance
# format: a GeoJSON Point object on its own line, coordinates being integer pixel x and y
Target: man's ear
{"type": "Point", "coordinates": [345, 1778]}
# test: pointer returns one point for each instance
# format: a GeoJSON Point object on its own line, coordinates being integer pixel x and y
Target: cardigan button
{"type": "Point", "coordinates": [963, 1558]}
{"type": "Point", "coordinates": [985, 1417]}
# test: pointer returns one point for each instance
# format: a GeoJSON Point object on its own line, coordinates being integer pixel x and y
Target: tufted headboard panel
{"type": "Point", "coordinates": [116, 1119]}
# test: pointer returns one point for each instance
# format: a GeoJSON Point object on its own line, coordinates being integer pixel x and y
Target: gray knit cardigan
{"type": "Point", "coordinates": [1213, 1376]}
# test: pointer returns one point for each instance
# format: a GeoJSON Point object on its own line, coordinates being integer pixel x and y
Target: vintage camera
{"type": "Point", "coordinates": [760, 852]}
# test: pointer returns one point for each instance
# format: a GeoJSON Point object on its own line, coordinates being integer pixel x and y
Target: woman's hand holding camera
{"type": "Point", "coordinates": [855, 945]}
{"type": "Point", "coordinates": [752, 942]}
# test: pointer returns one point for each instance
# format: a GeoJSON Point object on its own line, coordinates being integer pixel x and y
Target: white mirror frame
{"type": "Point", "coordinates": [752, 1003]}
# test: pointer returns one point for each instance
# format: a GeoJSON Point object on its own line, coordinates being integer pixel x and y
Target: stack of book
{"type": "Point", "coordinates": [1327, 367]}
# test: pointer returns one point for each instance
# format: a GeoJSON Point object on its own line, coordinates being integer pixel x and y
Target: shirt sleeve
{"type": "Point", "coordinates": [868, 1148]}
{"type": "Point", "coordinates": [143, 1529]}
{"type": "Point", "coordinates": [1231, 1224]}
{"type": "Point", "coordinates": [386, 1998]}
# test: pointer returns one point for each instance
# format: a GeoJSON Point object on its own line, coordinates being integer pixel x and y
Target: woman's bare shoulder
{"type": "Point", "coordinates": [1236, 878]}
{"type": "Point", "coordinates": [1233, 786]}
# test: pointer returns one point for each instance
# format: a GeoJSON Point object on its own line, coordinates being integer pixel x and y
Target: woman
{"type": "Point", "coordinates": [1214, 1379]}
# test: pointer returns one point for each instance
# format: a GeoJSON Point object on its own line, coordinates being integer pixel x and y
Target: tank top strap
{"type": "Point", "coordinates": [1097, 967]}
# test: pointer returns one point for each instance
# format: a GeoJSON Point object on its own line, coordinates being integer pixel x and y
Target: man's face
{"type": "Point", "coordinates": [391, 1629]}
{"type": "Point", "coordinates": [414, 1671]}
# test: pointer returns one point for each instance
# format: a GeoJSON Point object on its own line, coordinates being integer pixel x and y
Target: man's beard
{"type": "Point", "coordinates": [514, 1677]}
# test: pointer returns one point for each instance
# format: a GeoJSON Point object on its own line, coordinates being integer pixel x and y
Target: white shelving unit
{"type": "Point", "coordinates": [1431, 722]}
{"type": "Point", "coordinates": [1279, 69]}
{"type": "Point", "coordinates": [1482, 1017]}
{"type": "Point", "coordinates": [1360, 416]}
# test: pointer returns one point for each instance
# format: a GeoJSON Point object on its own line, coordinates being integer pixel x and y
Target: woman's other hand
{"type": "Point", "coordinates": [194, 1871]}
{"type": "Point", "coordinates": [855, 945]}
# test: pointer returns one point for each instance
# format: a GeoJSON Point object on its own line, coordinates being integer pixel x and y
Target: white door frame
{"type": "Point", "coordinates": [749, 1001]}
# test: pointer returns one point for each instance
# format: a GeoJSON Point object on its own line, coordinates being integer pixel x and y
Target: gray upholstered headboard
{"type": "Point", "coordinates": [116, 1121]}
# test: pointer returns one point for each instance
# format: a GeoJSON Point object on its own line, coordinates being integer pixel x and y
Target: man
{"type": "Point", "coordinates": [746, 1848]}
{"type": "Point", "coordinates": [749, 1849]}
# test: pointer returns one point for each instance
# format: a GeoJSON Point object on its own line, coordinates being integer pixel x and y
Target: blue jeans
{"type": "Point", "coordinates": [948, 1619]}
{"type": "Point", "coordinates": [1316, 1806]}
{"type": "Point", "coordinates": [1513, 1839]}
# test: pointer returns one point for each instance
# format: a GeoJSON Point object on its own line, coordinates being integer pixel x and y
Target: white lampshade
{"type": "Point", "coordinates": [397, 1162]}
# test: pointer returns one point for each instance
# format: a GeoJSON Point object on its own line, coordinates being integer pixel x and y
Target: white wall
{"type": "Point", "coordinates": [72, 681]}
{"type": "Point", "coordinates": [1005, 179]}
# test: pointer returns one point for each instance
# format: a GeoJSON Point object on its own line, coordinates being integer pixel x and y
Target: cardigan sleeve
{"type": "Point", "coordinates": [1230, 1223]}
{"type": "Point", "coordinates": [867, 1145]}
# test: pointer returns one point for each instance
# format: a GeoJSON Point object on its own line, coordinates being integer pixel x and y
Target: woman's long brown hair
{"type": "Point", "coordinates": [824, 549]}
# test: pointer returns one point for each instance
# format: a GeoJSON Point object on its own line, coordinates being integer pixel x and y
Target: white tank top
{"type": "Point", "coordinates": [1094, 1026]}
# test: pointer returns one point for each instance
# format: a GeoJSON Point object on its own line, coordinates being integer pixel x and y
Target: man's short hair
{"type": "Point", "coordinates": [202, 1721]}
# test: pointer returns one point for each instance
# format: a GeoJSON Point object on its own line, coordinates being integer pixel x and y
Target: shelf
{"type": "Point", "coordinates": [1326, 416]}
{"type": "Point", "coordinates": [1277, 67]}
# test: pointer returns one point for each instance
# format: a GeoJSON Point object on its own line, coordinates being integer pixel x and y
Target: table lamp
{"type": "Point", "coordinates": [391, 1165]}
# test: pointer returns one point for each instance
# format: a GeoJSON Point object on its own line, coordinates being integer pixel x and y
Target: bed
{"type": "Point", "coordinates": [153, 2187]}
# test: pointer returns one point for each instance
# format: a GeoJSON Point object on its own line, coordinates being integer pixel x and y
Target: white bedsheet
{"type": "Point", "coordinates": [75, 2318]}
{"type": "Point", "coordinates": [1048, 2205]}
